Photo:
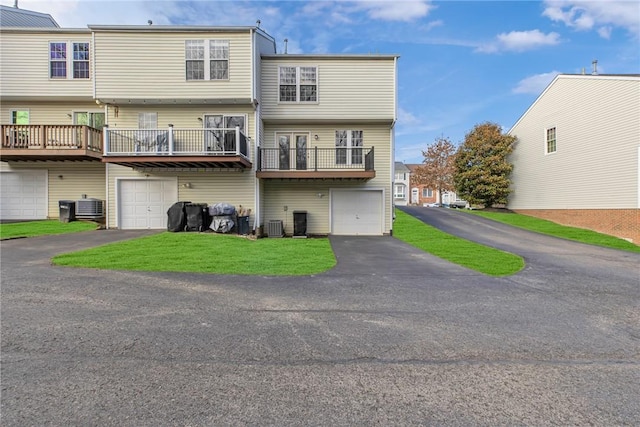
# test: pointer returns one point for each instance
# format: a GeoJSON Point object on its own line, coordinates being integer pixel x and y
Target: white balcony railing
{"type": "Point", "coordinates": [176, 142]}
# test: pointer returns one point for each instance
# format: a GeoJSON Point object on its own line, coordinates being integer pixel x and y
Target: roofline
{"type": "Point", "coordinates": [173, 28]}
{"type": "Point", "coordinates": [631, 77]}
{"type": "Point", "coordinates": [329, 56]}
{"type": "Point", "coordinates": [43, 30]}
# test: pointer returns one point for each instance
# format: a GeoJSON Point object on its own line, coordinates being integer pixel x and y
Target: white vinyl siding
{"type": "Point", "coordinates": [596, 163]}
{"type": "Point", "coordinates": [44, 112]}
{"type": "Point", "coordinates": [25, 66]}
{"type": "Point", "coordinates": [151, 65]}
{"type": "Point", "coordinates": [357, 89]}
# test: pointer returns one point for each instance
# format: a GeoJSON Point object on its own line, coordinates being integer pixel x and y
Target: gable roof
{"type": "Point", "coordinates": [14, 17]}
{"type": "Point", "coordinates": [400, 167]}
{"type": "Point", "coordinates": [574, 76]}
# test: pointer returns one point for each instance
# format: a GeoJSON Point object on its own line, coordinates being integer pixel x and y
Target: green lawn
{"type": "Point", "coordinates": [468, 254]}
{"type": "Point", "coordinates": [43, 228]}
{"type": "Point", "coordinates": [208, 253]}
{"type": "Point", "coordinates": [557, 230]}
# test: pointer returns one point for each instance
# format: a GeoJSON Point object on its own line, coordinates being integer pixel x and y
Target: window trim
{"type": "Point", "coordinates": [14, 116]}
{"type": "Point", "coordinates": [69, 59]}
{"type": "Point", "coordinates": [397, 195]}
{"type": "Point", "coordinates": [349, 148]}
{"type": "Point", "coordinates": [207, 60]}
{"type": "Point", "coordinates": [299, 84]}
{"type": "Point", "coordinates": [547, 140]}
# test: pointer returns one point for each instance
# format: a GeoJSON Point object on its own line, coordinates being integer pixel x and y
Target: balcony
{"type": "Point", "coordinates": [50, 142]}
{"type": "Point", "coordinates": [208, 148]}
{"type": "Point", "coordinates": [316, 163]}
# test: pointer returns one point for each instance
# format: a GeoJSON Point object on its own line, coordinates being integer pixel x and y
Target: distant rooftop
{"type": "Point", "coordinates": [14, 17]}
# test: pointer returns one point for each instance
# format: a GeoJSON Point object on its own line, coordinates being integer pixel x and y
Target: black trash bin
{"type": "Point", "coordinates": [67, 210]}
{"type": "Point", "coordinates": [243, 225]}
{"type": "Point", "coordinates": [299, 223]}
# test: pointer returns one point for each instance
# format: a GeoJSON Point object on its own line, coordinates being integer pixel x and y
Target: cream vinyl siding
{"type": "Point", "coordinates": [78, 178]}
{"type": "Point", "coordinates": [378, 136]}
{"type": "Point", "coordinates": [356, 89]}
{"type": "Point", "coordinates": [237, 188]}
{"type": "Point", "coordinates": [141, 65]}
{"type": "Point", "coordinates": [24, 66]}
{"type": "Point", "coordinates": [598, 137]}
{"type": "Point", "coordinates": [47, 113]}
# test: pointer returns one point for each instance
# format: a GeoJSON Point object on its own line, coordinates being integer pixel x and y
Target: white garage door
{"type": "Point", "coordinates": [23, 195]}
{"type": "Point", "coordinates": [357, 212]}
{"type": "Point", "coordinates": [144, 203]}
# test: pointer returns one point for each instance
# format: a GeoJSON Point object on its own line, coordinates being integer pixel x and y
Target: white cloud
{"type": "Point", "coordinates": [535, 84]}
{"type": "Point", "coordinates": [599, 15]}
{"type": "Point", "coordinates": [520, 41]}
{"type": "Point", "coordinates": [395, 10]}
{"type": "Point", "coordinates": [406, 118]}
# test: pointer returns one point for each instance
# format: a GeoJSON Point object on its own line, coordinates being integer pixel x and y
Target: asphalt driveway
{"type": "Point", "coordinates": [391, 336]}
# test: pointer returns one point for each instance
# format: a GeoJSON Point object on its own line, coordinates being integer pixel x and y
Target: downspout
{"type": "Point", "coordinates": [393, 139]}
{"type": "Point", "coordinates": [256, 131]}
{"type": "Point", "coordinates": [93, 61]}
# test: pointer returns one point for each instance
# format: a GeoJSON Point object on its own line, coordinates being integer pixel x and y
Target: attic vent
{"type": "Point", "coordinates": [90, 208]}
{"type": "Point", "coordinates": [274, 228]}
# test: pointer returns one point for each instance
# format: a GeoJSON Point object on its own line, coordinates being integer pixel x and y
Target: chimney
{"type": "Point", "coordinates": [15, 4]}
{"type": "Point", "coordinates": [594, 63]}
{"type": "Point", "coordinates": [285, 45]}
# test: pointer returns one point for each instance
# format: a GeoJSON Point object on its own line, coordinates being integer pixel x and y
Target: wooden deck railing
{"type": "Point", "coordinates": [21, 137]}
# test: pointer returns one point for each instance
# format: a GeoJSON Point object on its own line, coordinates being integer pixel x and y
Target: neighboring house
{"type": "Point", "coordinates": [577, 158]}
{"type": "Point", "coordinates": [421, 194]}
{"type": "Point", "coordinates": [201, 114]}
{"type": "Point", "coordinates": [401, 184]}
{"type": "Point", "coordinates": [15, 17]}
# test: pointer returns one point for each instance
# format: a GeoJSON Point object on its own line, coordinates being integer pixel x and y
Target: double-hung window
{"type": "Point", "coordinates": [58, 60]}
{"type": "Point", "coordinates": [65, 56]}
{"type": "Point", "coordinates": [550, 145]}
{"type": "Point", "coordinates": [427, 192]}
{"type": "Point", "coordinates": [349, 147]}
{"type": "Point", "coordinates": [207, 59]}
{"type": "Point", "coordinates": [399, 192]}
{"type": "Point", "coordinates": [297, 84]}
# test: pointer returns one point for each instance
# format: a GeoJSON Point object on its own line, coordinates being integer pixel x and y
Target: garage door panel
{"type": "Point", "coordinates": [23, 195]}
{"type": "Point", "coordinates": [357, 212]}
{"type": "Point", "coordinates": [144, 203]}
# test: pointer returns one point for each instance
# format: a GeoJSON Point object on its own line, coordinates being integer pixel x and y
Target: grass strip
{"type": "Point", "coordinates": [553, 229]}
{"type": "Point", "coordinates": [43, 228]}
{"type": "Point", "coordinates": [208, 253]}
{"type": "Point", "coordinates": [475, 256]}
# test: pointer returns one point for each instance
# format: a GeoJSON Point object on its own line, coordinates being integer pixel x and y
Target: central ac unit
{"type": "Point", "coordinates": [274, 228]}
{"type": "Point", "coordinates": [90, 208]}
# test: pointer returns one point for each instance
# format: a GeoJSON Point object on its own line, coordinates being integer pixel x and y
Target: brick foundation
{"type": "Point", "coordinates": [623, 223]}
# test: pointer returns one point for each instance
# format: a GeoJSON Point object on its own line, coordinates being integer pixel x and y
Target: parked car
{"type": "Point", "coordinates": [432, 205]}
{"type": "Point", "coordinates": [459, 204]}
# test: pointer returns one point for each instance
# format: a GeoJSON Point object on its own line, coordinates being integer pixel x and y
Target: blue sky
{"type": "Point", "coordinates": [461, 63]}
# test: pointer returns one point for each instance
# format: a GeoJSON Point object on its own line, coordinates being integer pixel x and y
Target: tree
{"type": "Point", "coordinates": [482, 170]}
{"type": "Point", "coordinates": [438, 167]}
